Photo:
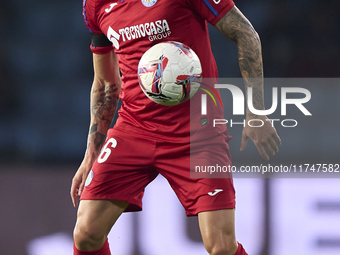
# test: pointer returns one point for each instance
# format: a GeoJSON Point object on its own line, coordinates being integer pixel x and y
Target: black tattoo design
{"type": "Point", "coordinates": [99, 140]}
{"type": "Point", "coordinates": [104, 101]}
{"type": "Point", "coordinates": [106, 104]}
{"type": "Point", "coordinates": [237, 28]}
{"type": "Point", "coordinates": [93, 128]}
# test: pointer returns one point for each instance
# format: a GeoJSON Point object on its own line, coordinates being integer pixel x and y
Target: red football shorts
{"type": "Point", "coordinates": [128, 163]}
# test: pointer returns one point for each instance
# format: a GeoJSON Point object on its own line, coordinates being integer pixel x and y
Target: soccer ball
{"type": "Point", "coordinates": [169, 73]}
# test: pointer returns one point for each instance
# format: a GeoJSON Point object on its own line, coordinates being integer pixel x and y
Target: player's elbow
{"type": "Point", "coordinates": [255, 36]}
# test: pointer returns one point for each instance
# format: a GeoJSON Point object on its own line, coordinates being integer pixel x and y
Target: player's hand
{"type": "Point", "coordinates": [78, 181]}
{"type": "Point", "coordinates": [265, 138]}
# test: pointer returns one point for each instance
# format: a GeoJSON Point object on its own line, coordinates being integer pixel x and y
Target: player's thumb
{"type": "Point", "coordinates": [244, 142]}
{"type": "Point", "coordinates": [81, 187]}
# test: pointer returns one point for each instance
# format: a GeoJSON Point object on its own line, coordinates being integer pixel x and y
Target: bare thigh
{"type": "Point", "coordinates": [95, 219]}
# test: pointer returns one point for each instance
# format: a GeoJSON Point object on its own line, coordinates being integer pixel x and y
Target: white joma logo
{"type": "Point", "coordinates": [110, 8]}
{"type": "Point", "coordinates": [215, 192]}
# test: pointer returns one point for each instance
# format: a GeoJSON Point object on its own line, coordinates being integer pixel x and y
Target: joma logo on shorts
{"type": "Point", "coordinates": [153, 30]}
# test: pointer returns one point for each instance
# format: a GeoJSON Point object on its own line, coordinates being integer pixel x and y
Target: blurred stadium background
{"type": "Point", "coordinates": [45, 78]}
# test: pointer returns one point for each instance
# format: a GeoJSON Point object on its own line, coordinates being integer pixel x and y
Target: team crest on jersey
{"type": "Point", "coordinates": [89, 178]}
{"type": "Point", "coordinates": [148, 3]}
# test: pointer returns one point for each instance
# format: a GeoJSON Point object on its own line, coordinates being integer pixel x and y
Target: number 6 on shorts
{"type": "Point", "coordinates": [105, 153]}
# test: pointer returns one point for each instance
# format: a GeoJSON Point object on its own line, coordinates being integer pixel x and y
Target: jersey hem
{"type": "Point", "coordinates": [134, 205]}
{"type": "Point", "coordinates": [101, 50]}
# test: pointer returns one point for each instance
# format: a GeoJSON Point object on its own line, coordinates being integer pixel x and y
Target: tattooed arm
{"type": "Point", "coordinates": [236, 27]}
{"type": "Point", "coordinates": [104, 100]}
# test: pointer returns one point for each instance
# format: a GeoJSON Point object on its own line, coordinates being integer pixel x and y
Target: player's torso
{"type": "Point", "coordinates": [133, 26]}
{"type": "Point", "coordinates": [142, 23]}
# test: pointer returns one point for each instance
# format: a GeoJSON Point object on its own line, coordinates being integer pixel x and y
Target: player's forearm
{"type": "Point", "coordinates": [236, 27]}
{"type": "Point", "coordinates": [104, 102]}
{"type": "Point", "coordinates": [251, 67]}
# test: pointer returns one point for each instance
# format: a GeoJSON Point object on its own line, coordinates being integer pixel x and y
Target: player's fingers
{"type": "Point", "coordinates": [74, 191]}
{"type": "Point", "coordinates": [277, 139]}
{"type": "Point", "coordinates": [74, 201]}
{"type": "Point", "coordinates": [74, 197]}
{"type": "Point", "coordinates": [269, 149]}
{"type": "Point", "coordinates": [262, 151]}
{"type": "Point", "coordinates": [81, 187]}
{"type": "Point", "coordinates": [244, 142]}
{"type": "Point", "coordinates": [273, 145]}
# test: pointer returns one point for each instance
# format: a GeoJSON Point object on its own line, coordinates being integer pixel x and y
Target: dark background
{"type": "Point", "coordinates": [45, 80]}
{"type": "Point", "coordinates": [46, 68]}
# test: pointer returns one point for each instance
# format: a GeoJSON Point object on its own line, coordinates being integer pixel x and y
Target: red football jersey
{"type": "Point", "coordinates": [133, 26]}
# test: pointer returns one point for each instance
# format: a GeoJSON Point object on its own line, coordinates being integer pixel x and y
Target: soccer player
{"type": "Point", "coordinates": [148, 138]}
